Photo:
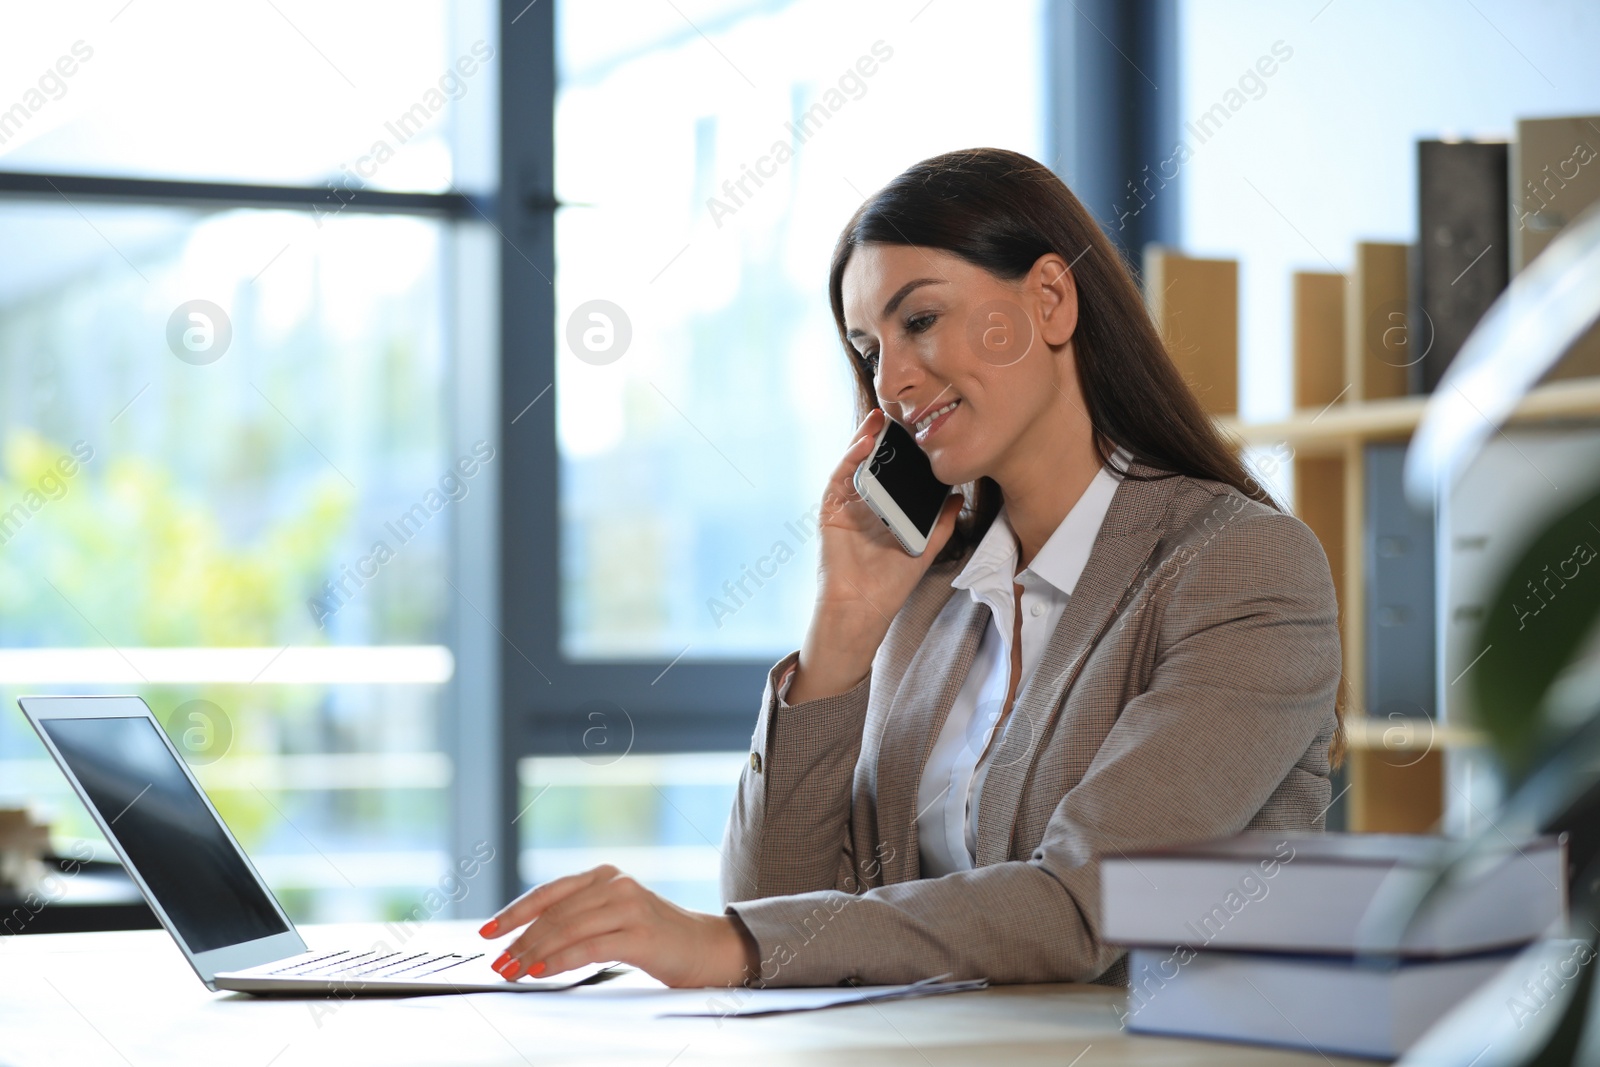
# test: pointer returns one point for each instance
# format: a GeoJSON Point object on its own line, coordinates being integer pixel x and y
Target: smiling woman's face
{"type": "Point", "coordinates": [990, 360]}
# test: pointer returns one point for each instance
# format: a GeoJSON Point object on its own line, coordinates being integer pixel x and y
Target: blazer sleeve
{"type": "Point", "coordinates": [1246, 667]}
{"type": "Point", "coordinates": [788, 831]}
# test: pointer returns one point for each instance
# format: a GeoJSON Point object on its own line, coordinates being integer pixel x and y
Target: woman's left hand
{"type": "Point", "coordinates": [603, 915]}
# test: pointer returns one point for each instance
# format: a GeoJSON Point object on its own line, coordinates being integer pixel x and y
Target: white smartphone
{"type": "Point", "coordinates": [899, 485]}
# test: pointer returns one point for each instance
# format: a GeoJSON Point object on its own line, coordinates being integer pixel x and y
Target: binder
{"type": "Point", "coordinates": [1400, 634]}
{"type": "Point", "coordinates": [1463, 249]}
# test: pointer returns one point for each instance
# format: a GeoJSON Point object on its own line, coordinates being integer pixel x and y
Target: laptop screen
{"type": "Point", "coordinates": [166, 830]}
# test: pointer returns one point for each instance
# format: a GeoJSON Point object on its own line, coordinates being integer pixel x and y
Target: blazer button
{"type": "Point", "coordinates": [755, 762]}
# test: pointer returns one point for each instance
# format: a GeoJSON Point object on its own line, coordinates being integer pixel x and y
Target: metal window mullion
{"type": "Point", "coordinates": [154, 192]}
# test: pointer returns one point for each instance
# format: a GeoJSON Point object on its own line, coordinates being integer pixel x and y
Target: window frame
{"type": "Point", "coordinates": [1102, 114]}
{"type": "Point", "coordinates": [669, 706]}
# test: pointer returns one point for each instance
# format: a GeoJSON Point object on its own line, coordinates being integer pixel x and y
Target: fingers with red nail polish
{"type": "Point", "coordinates": [602, 914]}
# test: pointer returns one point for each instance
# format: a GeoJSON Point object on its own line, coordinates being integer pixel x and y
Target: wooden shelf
{"type": "Point", "coordinates": [1329, 429]}
{"type": "Point", "coordinates": [1415, 735]}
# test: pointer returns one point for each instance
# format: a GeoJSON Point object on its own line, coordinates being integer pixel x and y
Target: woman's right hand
{"type": "Point", "coordinates": [863, 577]}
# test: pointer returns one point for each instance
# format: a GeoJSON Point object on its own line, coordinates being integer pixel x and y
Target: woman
{"type": "Point", "coordinates": [1115, 640]}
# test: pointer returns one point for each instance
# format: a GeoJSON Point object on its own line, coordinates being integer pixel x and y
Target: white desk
{"type": "Point", "coordinates": [67, 999]}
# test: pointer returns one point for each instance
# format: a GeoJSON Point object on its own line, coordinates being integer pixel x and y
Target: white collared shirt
{"type": "Point", "coordinates": [952, 780]}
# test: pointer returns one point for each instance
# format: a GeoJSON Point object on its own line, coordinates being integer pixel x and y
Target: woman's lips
{"type": "Point", "coordinates": [934, 426]}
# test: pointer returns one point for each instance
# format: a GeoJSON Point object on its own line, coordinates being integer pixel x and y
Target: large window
{"type": "Point", "coordinates": [249, 299]}
{"type": "Point", "coordinates": [234, 468]}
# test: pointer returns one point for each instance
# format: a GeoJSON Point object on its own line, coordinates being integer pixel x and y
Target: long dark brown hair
{"type": "Point", "coordinates": [1001, 211]}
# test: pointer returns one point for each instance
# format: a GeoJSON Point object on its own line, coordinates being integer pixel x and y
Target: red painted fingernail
{"type": "Point", "coordinates": [489, 928]}
{"type": "Point", "coordinates": [536, 970]}
{"type": "Point", "coordinates": [512, 970]}
{"type": "Point", "coordinates": [505, 958]}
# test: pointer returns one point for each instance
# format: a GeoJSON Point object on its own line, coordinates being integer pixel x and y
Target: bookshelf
{"type": "Point", "coordinates": [1396, 774]}
{"type": "Point", "coordinates": [1350, 390]}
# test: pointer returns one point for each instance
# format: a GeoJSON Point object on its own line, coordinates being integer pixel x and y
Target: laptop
{"type": "Point", "coordinates": [203, 887]}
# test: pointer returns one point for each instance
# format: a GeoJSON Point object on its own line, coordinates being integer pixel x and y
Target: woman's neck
{"type": "Point", "coordinates": [1050, 468]}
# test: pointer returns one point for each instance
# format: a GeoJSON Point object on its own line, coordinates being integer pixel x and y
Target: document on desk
{"type": "Point", "coordinates": [751, 1002]}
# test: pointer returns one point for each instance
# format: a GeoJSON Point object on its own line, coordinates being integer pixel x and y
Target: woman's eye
{"type": "Point", "coordinates": [870, 359]}
{"type": "Point", "coordinates": [919, 323]}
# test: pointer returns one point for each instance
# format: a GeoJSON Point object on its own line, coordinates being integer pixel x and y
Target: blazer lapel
{"type": "Point", "coordinates": [916, 715]}
{"type": "Point", "coordinates": [1127, 537]}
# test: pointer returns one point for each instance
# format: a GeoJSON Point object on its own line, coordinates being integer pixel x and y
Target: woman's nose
{"type": "Point", "coordinates": [898, 370]}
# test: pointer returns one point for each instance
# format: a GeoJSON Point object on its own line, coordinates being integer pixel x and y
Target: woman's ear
{"type": "Point", "coordinates": [1052, 282]}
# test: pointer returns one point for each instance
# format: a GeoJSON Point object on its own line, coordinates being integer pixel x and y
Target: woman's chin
{"type": "Point", "coordinates": [951, 471]}
{"type": "Point", "coordinates": [952, 456]}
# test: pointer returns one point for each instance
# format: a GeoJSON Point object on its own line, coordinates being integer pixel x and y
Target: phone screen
{"type": "Point", "coordinates": [903, 469]}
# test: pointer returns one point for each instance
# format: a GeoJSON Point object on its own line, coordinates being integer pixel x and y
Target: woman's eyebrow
{"type": "Point", "coordinates": [894, 301]}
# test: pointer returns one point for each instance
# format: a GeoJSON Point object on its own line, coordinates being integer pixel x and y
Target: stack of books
{"type": "Point", "coordinates": [1291, 939]}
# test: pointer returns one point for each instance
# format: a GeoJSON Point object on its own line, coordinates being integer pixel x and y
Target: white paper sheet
{"type": "Point", "coordinates": [747, 1002]}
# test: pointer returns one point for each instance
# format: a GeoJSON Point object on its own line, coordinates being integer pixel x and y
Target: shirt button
{"type": "Point", "coordinates": [755, 762]}
{"type": "Point", "coordinates": [1036, 610]}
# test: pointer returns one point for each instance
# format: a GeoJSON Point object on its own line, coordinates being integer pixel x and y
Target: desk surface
{"type": "Point", "coordinates": [70, 998]}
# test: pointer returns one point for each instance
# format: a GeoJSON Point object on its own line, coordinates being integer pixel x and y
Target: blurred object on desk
{"type": "Point", "coordinates": [45, 893]}
{"type": "Point", "coordinates": [23, 844]}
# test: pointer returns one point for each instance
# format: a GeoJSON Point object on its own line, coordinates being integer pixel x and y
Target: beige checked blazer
{"type": "Point", "coordinates": [1186, 693]}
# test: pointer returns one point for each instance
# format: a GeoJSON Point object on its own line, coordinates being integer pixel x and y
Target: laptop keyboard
{"type": "Point", "coordinates": [372, 964]}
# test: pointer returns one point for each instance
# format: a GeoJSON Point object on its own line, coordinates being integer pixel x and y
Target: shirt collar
{"type": "Point", "coordinates": [1064, 555]}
